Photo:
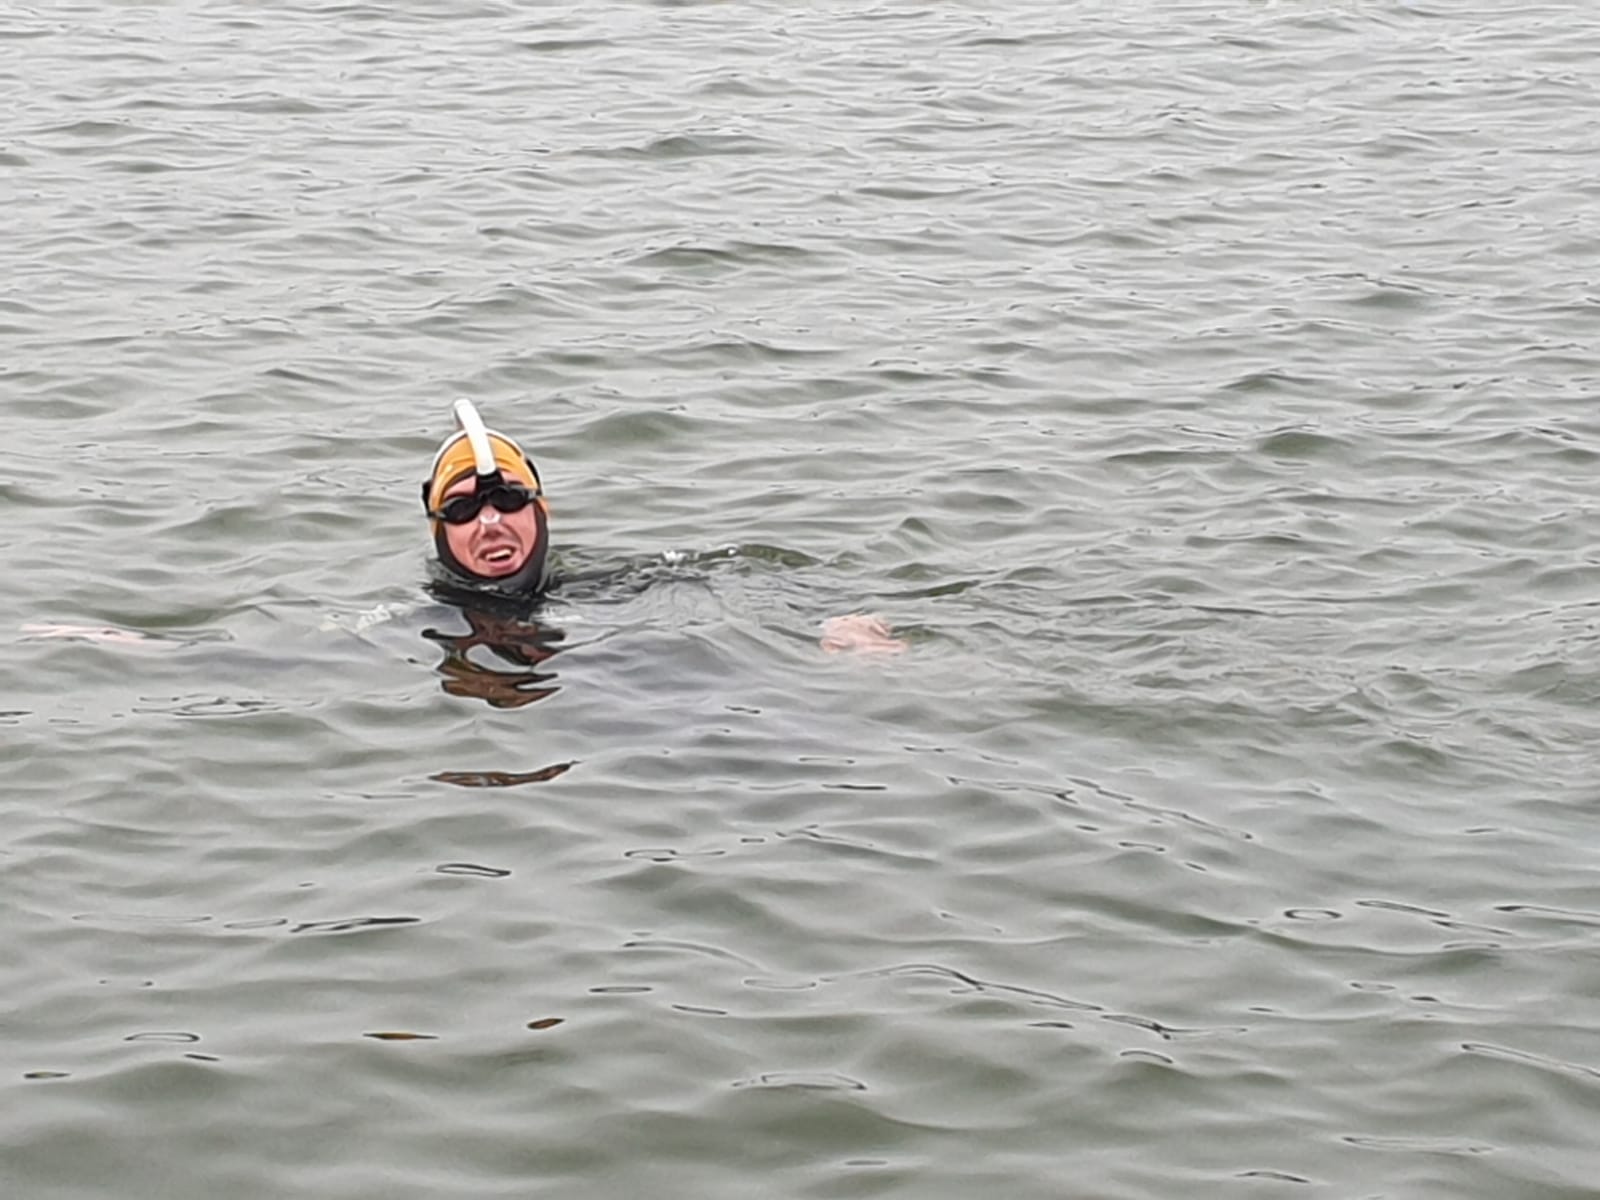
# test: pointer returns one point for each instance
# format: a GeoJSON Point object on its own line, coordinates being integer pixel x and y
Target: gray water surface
{"type": "Point", "coordinates": [1205, 391]}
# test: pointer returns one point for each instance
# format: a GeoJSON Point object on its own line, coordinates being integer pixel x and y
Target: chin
{"type": "Point", "coordinates": [500, 570]}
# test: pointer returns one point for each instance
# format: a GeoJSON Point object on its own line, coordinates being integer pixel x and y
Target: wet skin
{"type": "Point", "coordinates": [860, 633]}
{"type": "Point", "coordinates": [492, 544]}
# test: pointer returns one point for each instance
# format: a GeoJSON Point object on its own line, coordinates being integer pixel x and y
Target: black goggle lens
{"type": "Point", "coordinates": [505, 497]}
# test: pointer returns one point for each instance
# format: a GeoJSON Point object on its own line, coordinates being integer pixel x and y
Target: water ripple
{"type": "Point", "coordinates": [1207, 403]}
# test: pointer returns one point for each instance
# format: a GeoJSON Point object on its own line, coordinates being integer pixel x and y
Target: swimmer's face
{"type": "Point", "coordinates": [494, 543]}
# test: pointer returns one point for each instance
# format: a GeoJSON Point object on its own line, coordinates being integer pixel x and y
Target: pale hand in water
{"type": "Point", "coordinates": [88, 633]}
{"type": "Point", "coordinates": [860, 633]}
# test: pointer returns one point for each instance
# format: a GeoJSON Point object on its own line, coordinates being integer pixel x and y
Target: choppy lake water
{"type": "Point", "coordinates": [1205, 390]}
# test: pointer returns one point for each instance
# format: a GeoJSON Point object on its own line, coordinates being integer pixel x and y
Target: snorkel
{"type": "Point", "coordinates": [504, 481]}
{"type": "Point", "coordinates": [471, 424]}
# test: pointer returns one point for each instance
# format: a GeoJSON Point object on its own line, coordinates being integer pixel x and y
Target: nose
{"type": "Point", "coordinates": [490, 515]}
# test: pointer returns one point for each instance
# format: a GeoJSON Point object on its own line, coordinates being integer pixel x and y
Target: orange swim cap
{"type": "Point", "coordinates": [455, 462]}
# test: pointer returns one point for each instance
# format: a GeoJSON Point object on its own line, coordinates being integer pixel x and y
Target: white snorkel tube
{"type": "Point", "coordinates": [468, 421]}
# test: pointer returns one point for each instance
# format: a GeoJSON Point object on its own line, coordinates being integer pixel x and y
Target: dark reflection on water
{"type": "Point", "coordinates": [473, 869]}
{"type": "Point", "coordinates": [500, 659]}
{"type": "Point", "coordinates": [353, 924]}
{"type": "Point", "coordinates": [503, 778]}
{"type": "Point", "coordinates": [813, 1080]}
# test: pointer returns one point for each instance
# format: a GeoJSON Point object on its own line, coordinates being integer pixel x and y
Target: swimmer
{"type": "Point", "coordinates": [490, 525]}
{"type": "Point", "coordinates": [487, 512]}
{"type": "Point", "coordinates": [491, 534]}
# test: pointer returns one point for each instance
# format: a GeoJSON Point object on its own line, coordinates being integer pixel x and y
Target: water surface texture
{"type": "Point", "coordinates": [1206, 391]}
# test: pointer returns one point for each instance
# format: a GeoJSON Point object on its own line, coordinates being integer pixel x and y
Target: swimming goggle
{"type": "Point", "coordinates": [503, 497]}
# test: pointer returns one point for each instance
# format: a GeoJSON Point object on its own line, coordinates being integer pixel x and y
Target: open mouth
{"type": "Point", "coordinates": [500, 555]}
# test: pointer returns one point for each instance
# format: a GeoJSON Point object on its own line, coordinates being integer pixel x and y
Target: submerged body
{"type": "Point", "coordinates": [491, 530]}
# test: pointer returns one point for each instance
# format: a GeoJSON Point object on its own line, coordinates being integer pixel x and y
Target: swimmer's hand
{"type": "Point", "coordinates": [860, 633]}
{"type": "Point", "coordinates": [89, 633]}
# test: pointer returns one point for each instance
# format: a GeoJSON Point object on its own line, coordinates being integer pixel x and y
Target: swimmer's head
{"type": "Point", "coordinates": [486, 510]}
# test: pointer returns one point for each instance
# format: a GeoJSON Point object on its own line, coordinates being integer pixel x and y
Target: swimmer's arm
{"type": "Point", "coordinates": [91, 633]}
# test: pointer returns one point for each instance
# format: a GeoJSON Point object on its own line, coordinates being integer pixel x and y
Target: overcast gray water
{"type": "Point", "coordinates": [1206, 391]}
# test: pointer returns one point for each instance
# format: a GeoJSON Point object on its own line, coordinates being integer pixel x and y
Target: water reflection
{"type": "Point", "coordinates": [502, 778]}
{"type": "Point", "coordinates": [509, 668]}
